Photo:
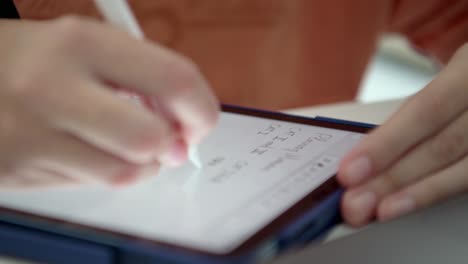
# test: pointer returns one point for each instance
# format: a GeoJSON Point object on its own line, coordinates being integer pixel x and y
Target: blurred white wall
{"type": "Point", "coordinates": [396, 71]}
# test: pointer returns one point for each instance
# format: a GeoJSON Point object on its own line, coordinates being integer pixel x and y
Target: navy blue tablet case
{"type": "Point", "coordinates": [49, 244]}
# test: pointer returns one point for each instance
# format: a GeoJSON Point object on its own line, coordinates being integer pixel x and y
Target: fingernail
{"type": "Point", "coordinates": [358, 170]}
{"type": "Point", "coordinates": [397, 207]}
{"type": "Point", "coordinates": [362, 204]}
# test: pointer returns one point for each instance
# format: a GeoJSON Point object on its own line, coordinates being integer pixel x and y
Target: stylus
{"type": "Point", "coordinates": [118, 13]}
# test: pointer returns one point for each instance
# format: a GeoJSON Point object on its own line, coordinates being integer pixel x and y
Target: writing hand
{"type": "Point", "coordinates": [60, 118]}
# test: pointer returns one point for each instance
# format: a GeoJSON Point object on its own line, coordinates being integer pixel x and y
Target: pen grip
{"type": "Point", "coordinates": [154, 106]}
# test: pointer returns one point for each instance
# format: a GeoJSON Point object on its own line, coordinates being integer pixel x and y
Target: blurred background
{"type": "Point", "coordinates": [395, 71]}
{"type": "Point", "coordinates": [270, 51]}
{"type": "Point", "coordinates": [280, 54]}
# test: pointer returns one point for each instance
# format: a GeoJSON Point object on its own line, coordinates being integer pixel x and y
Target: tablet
{"type": "Point", "coordinates": [260, 171]}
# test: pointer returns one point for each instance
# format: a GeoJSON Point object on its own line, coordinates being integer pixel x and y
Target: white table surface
{"type": "Point", "coordinates": [375, 113]}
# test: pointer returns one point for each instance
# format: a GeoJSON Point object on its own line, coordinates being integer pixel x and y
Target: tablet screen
{"type": "Point", "coordinates": [253, 170]}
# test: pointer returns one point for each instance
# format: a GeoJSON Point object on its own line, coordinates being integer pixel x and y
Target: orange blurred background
{"type": "Point", "coordinates": [272, 54]}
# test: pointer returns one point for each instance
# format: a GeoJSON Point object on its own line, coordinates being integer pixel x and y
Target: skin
{"type": "Point", "coordinates": [61, 121]}
{"type": "Point", "coordinates": [418, 157]}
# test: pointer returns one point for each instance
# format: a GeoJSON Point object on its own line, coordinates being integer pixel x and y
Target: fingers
{"type": "Point", "coordinates": [439, 152]}
{"type": "Point", "coordinates": [436, 153]}
{"type": "Point", "coordinates": [421, 117]}
{"type": "Point", "coordinates": [41, 155]}
{"type": "Point", "coordinates": [103, 55]}
{"type": "Point", "coordinates": [176, 86]}
{"type": "Point", "coordinates": [447, 183]}
{"type": "Point", "coordinates": [152, 71]}
{"type": "Point", "coordinates": [27, 179]}
{"type": "Point", "coordinates": [47, 157]}
{"type": "Point", "coordinates": [68, 122]}
{"type": "Point", "coordinates": [79, 161]}
{"type": "Point", "coordinates": [96, 115]}
{"type": "Point", "coordinates": [199, 116]}
{"type": "Point", "coordinates": [417, 158]}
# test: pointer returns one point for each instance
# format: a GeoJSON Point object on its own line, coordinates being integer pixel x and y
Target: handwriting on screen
{"type": "Point", "coordinates": [279, 144]}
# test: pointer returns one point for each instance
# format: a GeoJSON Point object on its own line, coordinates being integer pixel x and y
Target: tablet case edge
{"type": "Point", "coordinates": [24, 242]}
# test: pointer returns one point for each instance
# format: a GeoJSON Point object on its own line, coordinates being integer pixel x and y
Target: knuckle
{"type": "Point", "coordinates": [71, 23]}
{"type": "Point", "coordinates": [71, 31]}
{"type": "Point", "coordinates": [446, 147]}
{"type": "Point", "coordinates": [24, 87]}
{"type": "Point", "coordinates": [431, 107]}
{"type": "Point", "coordinates": [184, 76]}
{"type": "Point", "coordinates": [389, 182]}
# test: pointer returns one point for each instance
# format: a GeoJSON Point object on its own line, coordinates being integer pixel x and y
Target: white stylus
{"type": "Point", "coordinates": [118, 13]}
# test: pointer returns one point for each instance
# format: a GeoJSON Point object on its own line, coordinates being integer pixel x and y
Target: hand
{"type": "Point", "coordinates": [60, 117]}
{"type": "Point", "coordinates": [418, 157]}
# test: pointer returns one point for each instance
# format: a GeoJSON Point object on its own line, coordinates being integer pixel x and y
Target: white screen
{"type": "Point", "coordinates": [253, 170]}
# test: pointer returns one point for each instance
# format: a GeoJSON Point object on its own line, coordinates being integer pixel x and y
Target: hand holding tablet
{"type": "Point", "coordinates": [419, 157]}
